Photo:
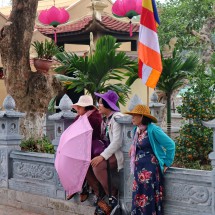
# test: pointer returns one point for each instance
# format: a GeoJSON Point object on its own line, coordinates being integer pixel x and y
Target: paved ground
{"type": "Point", "coordinates": [6, 210]}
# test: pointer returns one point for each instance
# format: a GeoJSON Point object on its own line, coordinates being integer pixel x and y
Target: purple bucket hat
{"type": "Point", "coordinates": [110, 97]}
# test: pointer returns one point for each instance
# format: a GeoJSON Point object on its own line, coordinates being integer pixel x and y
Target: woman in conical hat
{"type": "Point", "coordinates": [152, 152]}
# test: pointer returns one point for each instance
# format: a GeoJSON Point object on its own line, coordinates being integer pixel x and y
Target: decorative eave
{"type": "Point", "coordinates": [107, 25]}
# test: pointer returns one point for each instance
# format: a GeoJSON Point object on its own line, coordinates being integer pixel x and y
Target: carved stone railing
{"type": "Point", "coordinates": [187, 192]}
{"type": "Point", "coordinates": [211, 124]}
{"type": "Point", "coordinates": [9, 137]}
{"type": "Point", "coordinates": [33, 172]}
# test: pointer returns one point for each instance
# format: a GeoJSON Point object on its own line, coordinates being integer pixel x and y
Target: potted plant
{"type": "Point", "coordinates": [45, 53]}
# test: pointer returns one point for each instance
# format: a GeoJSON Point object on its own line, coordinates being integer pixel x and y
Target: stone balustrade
{"type": "Point", "coordinates": [187, 192]}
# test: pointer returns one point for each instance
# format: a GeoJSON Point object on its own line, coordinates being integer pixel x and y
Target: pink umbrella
{"type": "Point", "coordinates": [74, 155]}
{"type": "Point", "coordinates": [54, 17]}
{"type": "Point", "coordinates": [127, 8]}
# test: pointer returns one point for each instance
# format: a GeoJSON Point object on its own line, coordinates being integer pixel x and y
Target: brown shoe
{"type": "Point", "coordinates": [70, 196]}
{"type": "Point", "coordinates": [84, 197]}
{"type": "Point", "coordinates": [104, 207]}
{"type": "Point", "coordinates": [85, 193]}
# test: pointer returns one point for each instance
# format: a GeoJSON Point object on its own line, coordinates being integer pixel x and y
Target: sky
{"type": "Point", "coordinates": [6, 2]}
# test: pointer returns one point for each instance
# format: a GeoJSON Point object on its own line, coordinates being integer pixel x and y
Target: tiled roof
{"type": "Point", "coordinates": [117, 25]}
{"type": "Point", "coordinates": [70, 27]}
{"type": "Point", "coordinates": [107, 22]}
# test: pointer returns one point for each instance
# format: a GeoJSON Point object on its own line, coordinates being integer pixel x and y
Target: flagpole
{"type": "Point", "coordinates": [147, 96]}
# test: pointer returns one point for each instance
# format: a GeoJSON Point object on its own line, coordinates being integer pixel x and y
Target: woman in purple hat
{"type": "Point", "coordinates": [112, 132]}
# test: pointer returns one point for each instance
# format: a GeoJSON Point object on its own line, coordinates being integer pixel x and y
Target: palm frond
{"type": "Point", "coordinates": [95, 73]}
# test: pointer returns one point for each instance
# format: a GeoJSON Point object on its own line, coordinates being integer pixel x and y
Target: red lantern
{"type": "Point", "coordinates": [54, 17]}
{"type": "Point", "coordinates": [127, 8]}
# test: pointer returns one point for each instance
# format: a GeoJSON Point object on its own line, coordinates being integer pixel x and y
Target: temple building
{"type": "Point", "coordinates": [87, 16]}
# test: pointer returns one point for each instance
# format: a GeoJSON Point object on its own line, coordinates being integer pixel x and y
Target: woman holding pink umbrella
{"type": "Point", "coordinates": [85, 106]}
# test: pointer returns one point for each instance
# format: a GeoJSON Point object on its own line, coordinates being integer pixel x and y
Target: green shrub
{"type": "Point", "coordinates": [42, 145]}
{"type": "Point", "coordinates": [29, 145]}
{"type": "Point", "coordinates": [46, 50]}
{"type": "Point", "coordinates": [196, 141]}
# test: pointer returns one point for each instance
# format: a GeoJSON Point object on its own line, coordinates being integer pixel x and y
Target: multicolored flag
{"type": "Point", "coordinates": [150, 64]}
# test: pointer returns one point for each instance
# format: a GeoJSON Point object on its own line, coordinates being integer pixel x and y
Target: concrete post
{"type": "Point", "coordinates": [211, 124]}
{"type": "Point", "coordinates": [10, 137]}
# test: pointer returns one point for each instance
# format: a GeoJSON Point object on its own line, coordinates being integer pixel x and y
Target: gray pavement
{"type": "Point", "coordinates": [7, 210]}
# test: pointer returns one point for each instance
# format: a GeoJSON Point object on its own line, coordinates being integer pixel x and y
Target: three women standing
{"type": "Point", "coordinates": [152, 152]}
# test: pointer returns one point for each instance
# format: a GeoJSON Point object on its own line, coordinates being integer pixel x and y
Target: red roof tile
{"type": "Point", "coordinates": [108, 22]}
{"type": "Point", "coordinates": [117, 25]}
{"type": "Point", "coordinates": [70, 27]}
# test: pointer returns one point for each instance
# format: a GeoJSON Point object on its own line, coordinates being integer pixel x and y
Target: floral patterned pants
{"type": "Point", "coordinates": [147, 190]}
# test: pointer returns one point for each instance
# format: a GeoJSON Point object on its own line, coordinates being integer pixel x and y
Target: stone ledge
{"type": "Point", "coordinates": [42, 205]}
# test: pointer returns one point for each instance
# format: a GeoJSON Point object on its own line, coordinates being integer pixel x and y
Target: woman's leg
{"type": "Point", "coordinates": [92, 181]}
{"type": "Point", "coordinates": [100, 172]}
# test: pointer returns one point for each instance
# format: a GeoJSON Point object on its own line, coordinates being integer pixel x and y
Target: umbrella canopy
{"type": "Point", "coordinates": [74, 155]}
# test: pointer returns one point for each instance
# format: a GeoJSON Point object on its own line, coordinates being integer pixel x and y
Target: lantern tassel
{"type": "Point", "coordinates": [131, 29]}
{"type": "Point", "coordinates": [55, 36]}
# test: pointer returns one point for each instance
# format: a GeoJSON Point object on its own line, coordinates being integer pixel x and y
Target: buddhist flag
{"type": "Point", "coordinates": [150, 64]}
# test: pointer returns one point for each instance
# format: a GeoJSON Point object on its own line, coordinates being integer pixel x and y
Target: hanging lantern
{"type": "Point", "coordinates": [54, 17]}
{"type": "Point", "coordinates": [127, 8]}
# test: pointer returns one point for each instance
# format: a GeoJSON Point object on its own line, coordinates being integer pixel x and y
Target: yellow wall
{"type": "Point", "coordinates": [2, 92]}
{"type": "Point", "coordinates": [140, 90]}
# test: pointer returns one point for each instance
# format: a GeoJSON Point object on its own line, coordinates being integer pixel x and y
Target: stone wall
{"type": "Point", "coordinates": [188, 192]}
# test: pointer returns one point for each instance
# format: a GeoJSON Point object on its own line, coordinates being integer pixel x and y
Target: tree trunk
{"type": "Point", "coordinates": [31, 91]}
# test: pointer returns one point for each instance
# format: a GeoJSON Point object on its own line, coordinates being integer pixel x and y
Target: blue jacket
{"type": "Point", "coordinates": [162, 145]}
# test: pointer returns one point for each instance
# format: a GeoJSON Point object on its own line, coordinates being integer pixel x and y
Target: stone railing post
{"type": "Point", "coordinates": [126, 178]}
{"type": "Point", "coordinates": [10, 137]}
{"type": "Point", "coordinates": [211, 124]}
{"type": "Point", "coordinates": [156, 108]}
{"type": "Point", "coordinates": [62, 121]}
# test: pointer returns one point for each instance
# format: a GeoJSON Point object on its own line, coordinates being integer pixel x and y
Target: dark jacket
{"type": "Point", "coordinates": [95, 120]}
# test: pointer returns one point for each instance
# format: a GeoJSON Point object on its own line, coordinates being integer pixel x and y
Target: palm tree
{"type": "Point", "coordinates": [104, 70]}
{"type": "Point", "coordinates": [175, 70]}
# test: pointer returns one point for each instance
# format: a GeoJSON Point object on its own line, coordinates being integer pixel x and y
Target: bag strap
{"type": "Point", "coordinates": [110, 183]}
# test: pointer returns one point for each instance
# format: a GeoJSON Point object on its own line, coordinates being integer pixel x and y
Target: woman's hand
{"type": "Point", "coordinates": [97, 160]}
{"type": "Point", "coordinates": [165, 168]}
{"type": "Point", "coordinates": [129, 152]}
